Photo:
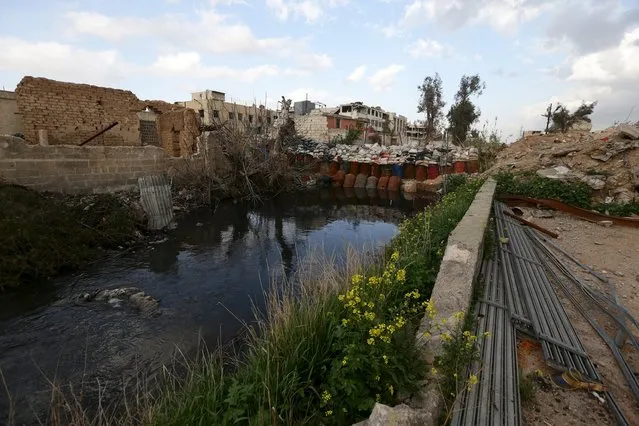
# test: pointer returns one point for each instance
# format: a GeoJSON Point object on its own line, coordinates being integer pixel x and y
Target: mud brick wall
{"type": "Point", "coordinates": [178, 130]}
{"type": "Point", "coordinates": [10, 121]}
{"type": "Point", "coordinates": [73, 169]}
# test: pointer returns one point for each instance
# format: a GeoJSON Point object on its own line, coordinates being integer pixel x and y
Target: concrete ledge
{"type": "Point", "coordinates": [451, 295]}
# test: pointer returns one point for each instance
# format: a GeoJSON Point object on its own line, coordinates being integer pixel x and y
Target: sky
{"type": "Point", "coordinates": [528, 52]}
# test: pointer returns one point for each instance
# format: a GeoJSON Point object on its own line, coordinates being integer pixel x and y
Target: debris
{"type": "Point", "coordinates": [619, 273]}
{"type": "Point", "coordinates": [597, 243]}
{"type": "Point", "coordinates": [573, 379]}
{"type": "Point", "coordinates": [517, 211]}
{"type": "Point", "coordinates": [605, 223]}
{"type": "Point", "coordinates": [558, 172]}
{"type": "Point", "coordinates": [543, 214]}
{"type": "Point", "coordinates": [599, 398]}
{"type": "Point", "coordinates": [564, 152]}
{"type": "Point", "coordinates": [503, 240]}
{"type": "Point", "coordinates": [629, 131]}
{"type": "Point", "coordinates": [532, 225]}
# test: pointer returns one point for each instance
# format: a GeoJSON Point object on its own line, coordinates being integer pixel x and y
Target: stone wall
{"type": "Point", "coordinates": [10, 122]}
{"type": "Point", "coordinates": [70, 113]}
{"type": "Point", "coordinates": [73, 169]}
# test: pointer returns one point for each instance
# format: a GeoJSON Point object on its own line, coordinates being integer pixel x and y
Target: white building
{"type": "Point", "coordinates": [389, 126]}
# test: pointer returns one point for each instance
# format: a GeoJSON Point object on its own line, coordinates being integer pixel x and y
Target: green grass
{"type": "Point", "coordinates": [315, 357]}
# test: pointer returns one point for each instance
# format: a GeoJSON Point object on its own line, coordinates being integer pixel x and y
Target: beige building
{"type": "Point", "coordinates": [214, 110]}
{"type": "Point", "coordinates": [10, 121]}
{"type": "Point", "coordinates": [389, 126]}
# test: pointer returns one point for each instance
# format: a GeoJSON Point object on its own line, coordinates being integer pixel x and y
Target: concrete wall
{"type": "Point", "coordinates": [71, 112]}
{"type": "Point", "coordinates": [74, 169]}
{"type": "Point", "coordinates": [10, 121]}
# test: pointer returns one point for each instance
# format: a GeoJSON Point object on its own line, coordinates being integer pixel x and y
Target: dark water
{"type": "Point", "coordinates": [208, 274]}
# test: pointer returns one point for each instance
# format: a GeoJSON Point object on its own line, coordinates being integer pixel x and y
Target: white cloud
{"type": "Point", "coordinates": [426, 49]}
{"type": "Point", "coordinates": [310, 10]}
{"type": "Point", "coordinates": [210, 32]}
{"type": "Point", "coordinates": [503, 15]}
{"type": "Point", "coordinates": [357, 73]}
{"type": "Point", "coordinates": [314, 61]}
{"type": "Point", "coordinates": [383, 79]}
{"type": "Point", "coordinates": [189, 64]}
{"type": "Point", "coordinates": [62, 61]}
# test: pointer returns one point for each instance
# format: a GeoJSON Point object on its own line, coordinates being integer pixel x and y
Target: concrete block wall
{"type": "Point", "coordinates": [73, 169]}
{"type": "Point", "coordinates": [10, 121]}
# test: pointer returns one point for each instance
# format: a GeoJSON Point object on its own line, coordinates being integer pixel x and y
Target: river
{"type": "Point", "coordinates": [208, 274]}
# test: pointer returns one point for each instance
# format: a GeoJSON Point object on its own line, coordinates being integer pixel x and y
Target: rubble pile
{"type": "Point", "coordinates": [376, 153]}
{"type": "Point", "coordinates": [607, 160]}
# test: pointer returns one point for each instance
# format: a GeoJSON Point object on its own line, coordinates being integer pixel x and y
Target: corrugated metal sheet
{"type": "Point", "coordinates": [155, 196]}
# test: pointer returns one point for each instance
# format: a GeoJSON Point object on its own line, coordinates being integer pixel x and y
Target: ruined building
{"type": "Point", "coordinates": [58, 113]}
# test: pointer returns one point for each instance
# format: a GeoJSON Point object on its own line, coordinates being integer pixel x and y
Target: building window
{"type": "Point", "coordinates": [337, 123]}
{"type": "Point", "coordinates": [231, 116]}
{"type": "Point", "coordinates": [250, 118]}
{"type": "Point", "coordinates": [239, 116]}
{"type": "Point", "coordinates": [216, 113]}
{"type": "Point", "coordinates": [347, 108]}
{"type": "Point", "coordinates": [201, 113]}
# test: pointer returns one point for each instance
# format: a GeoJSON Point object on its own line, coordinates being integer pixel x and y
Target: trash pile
{"type": "Point", "coordinates": [376, 153]}
{"type": "Point", "coordinates": [607, 160]}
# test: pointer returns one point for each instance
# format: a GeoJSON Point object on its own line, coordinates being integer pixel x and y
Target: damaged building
{"type": "Point", "coordinates": [51, 112]}
{"type": "Point", "coordinates": [326, 126]}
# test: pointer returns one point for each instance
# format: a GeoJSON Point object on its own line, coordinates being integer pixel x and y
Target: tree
{"type": "Point", "coordinates": [463, 113]}
{"type": "Point", "coordinates": [563, 119]}
{"type": "Point", "coordinates": [431, 104]}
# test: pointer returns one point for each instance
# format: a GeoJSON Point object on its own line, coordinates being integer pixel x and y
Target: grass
{"type": "Point", "coordinates": [527, 388]}
{"type": "Point", "coordinates": [43, 235]}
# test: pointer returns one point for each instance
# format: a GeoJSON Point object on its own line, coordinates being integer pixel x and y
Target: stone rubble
{"type": "Point", "coordinates": [394, 154]}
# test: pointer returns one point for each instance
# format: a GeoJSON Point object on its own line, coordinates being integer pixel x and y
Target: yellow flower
{"type": "Point", "coordinates": [433, 371]}
{"type": "Point", "coordinates": [446, 337]}
{"type": "Point", "coordinates": [370, 341]}
{"type": "Point", "coordinates": [391, 389]}
{"type": "Point", "coordinates": [344, 322]}
{"type": "Point", "coordinates": [385, 359]}
{"type": "Point", "coordinates": [401, 275]}
{"type": "Point", "coordinates": [340, 297]}
{"type": "Point", "coordinates": [395, 256]}
{"type": "Point", "coordinates": [472, 380]}
{"type": "Point", "coordinates": [373, 281]}
{"type": "Point", "coordinates": [326, 396]}
{"type": "Point", "coordinates": [369, 316]}
{"type": "Point", "coordinates": [328, 413]}
{"type": "Point", "coordinates": [459, 315]}
{"type": "Point", "coordinates": [345, 360]}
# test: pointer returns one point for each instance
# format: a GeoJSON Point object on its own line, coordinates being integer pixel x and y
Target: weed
{"type": "Point", "coordinates": [531, 185]}
{"type": "Point", "coordinates": [527, 388]}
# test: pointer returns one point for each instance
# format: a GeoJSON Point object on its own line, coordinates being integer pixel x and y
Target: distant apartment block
{"type": "Point", "coordinates": [416, 132]}
{"type": "Point", "coordinates": [213, 110]}
{"type": "Point", "coordinates": [389, 126]}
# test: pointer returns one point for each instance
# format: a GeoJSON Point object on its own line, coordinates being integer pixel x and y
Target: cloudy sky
{"type": "Point", "coordinates": [529, 52]}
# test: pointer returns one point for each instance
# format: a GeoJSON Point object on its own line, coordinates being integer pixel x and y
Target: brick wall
{"type": "Point", "coordinates": [10, 122]}
{"type": "Point", "coordinates": [72, 112]}
{"type": "Point", "coordinates": [75, 169]}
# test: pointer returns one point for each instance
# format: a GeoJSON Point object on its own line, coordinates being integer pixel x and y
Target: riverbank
{"type": "Point", "coordinates": [48, 234]}
{"type": "Point", "coordinates": [331, 345]}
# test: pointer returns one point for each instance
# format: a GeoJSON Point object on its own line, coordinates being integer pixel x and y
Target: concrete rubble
{"type": "Point", "coordinates": [394, 154]}
{"type": "Point", "coordinates": [607, 160]}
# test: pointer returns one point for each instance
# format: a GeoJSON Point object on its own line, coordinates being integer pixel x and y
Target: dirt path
{"type": "Point", "coordinates": [612, 251]}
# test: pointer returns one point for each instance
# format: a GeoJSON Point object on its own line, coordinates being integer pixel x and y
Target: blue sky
{"type": "Point", "coordinates": [529, 52]}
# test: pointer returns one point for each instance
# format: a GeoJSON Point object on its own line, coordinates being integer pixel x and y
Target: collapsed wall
{"type": "Point", "coordinates": [70, 113]}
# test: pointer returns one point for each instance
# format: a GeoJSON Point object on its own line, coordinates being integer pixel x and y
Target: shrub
{"type": "Point", "coordinates": [531, 185]}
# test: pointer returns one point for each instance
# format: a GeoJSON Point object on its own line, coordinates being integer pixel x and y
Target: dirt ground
{"type": "Point", "coordinates": [612, 251]}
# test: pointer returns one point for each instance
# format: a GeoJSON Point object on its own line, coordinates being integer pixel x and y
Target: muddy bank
{"type": "Point", "coordinates": [205, 276]}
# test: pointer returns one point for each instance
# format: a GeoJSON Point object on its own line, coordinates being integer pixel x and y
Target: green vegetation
{"type": "Point", "coordinates": [531, 185]}
{"type": "Point", "coordinates": [576, 194]}
{"type": "Point", "coordinates": [43, 235]}
{"type": "Point", "coordinates": [527, 388]}
{"type": "Point", "coordinates": [431, 104]}
{"type": "Point", "coordinates": [463, 113]}
{"type": "Point", "coordinates": [331, 345]}
{"type": "Point", "coordinates": [562, 119]}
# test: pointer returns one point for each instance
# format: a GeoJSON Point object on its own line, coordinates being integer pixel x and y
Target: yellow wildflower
{"type": "Point", "coordinates": [344, 322]}
{"type": "Point", "coordinates": [356, 279]}
{"type": "Point", "coordinates": [328, 413]}
{"type": "Point", "coordinates": [433, 371]}
{"type": "Point", "coordinates": [401, 275]}
{"type": "Point", "coordinates": [345, 360]}
{"type": "Point", "coordinates": [395, 256]}
{"type": "Point", "coordinates": [385, 357]}
{"type": "Point", "coordinates": [459, 315]}
{"type": "Point", "coordinates": [369, 316]}
{"type": "Point", "coordinates": [391, 389]}
{"type": "Point", "coordinates": [370, 341]}
{"type": "Point", "coordinates": [340, 297]}
{"type": "Point", "coordinates": [472, 380]}
{"type": "Point", "coordinates": [326, 396]}
{"type": "Point", "coordinates": [446, 337]}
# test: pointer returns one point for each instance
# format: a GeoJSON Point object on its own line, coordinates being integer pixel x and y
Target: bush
{"type": "Point", "coordinates": [531, 185]}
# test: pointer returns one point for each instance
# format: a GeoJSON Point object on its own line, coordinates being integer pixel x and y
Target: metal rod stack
{"type": "Point", "coordinates": [495, 398]}
{"type": "Point", "coordinates": [527, 282]}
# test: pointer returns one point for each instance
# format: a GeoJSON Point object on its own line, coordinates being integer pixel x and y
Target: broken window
{"type": "Point", "coordinates": [250, 118]}
{"type": "Point", "coordinates": [201, 113]}
{"type": "Point", "coordinates": [337, 123]}
{"type": "Point", "coordinates": [216, 113]}
{"type": "Point", "coordinates": [231, 116]}
{"type": "Point", "coordinates": [347, 108]}
{"type": "Point", "coordinates": [239, 116]}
